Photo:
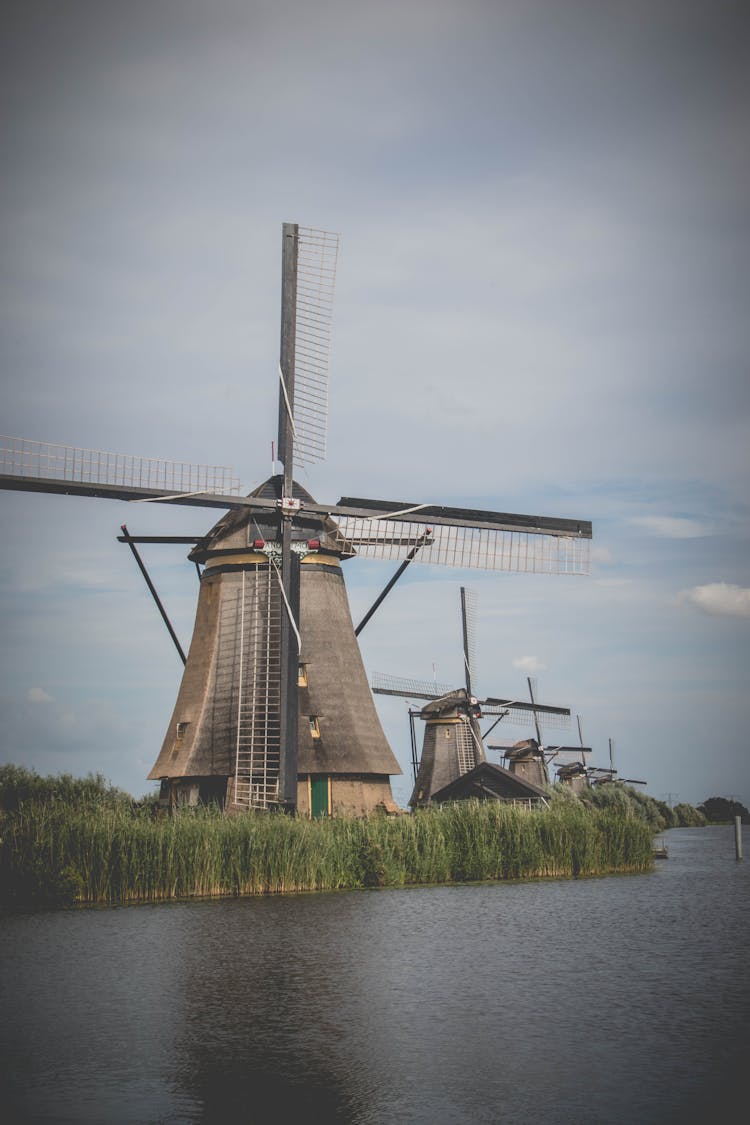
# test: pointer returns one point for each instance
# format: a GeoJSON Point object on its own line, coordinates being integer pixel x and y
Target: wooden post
{"type": "Point", "coordinates": [738, 837]}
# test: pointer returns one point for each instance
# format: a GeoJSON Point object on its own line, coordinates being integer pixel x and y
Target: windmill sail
{"type": "Point", "coordinates": [39, 466]}
{"type": "Point", "coordinates": [468, 633]}
{"type": "Point", "coordinates": [517, 711]}
{"type": "Point", "coordinates": [307, 277]}
{"type": "Point", "coordinates": [463, 537]}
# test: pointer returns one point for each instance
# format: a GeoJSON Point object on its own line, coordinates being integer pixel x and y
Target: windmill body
{"type": "Point", "coordinates": [452, 743]}
{"type": "Point", "coordinates": [574, 775]}
{"type": "Point", "coordinates": [224, 737]}
{"type": "Point", "coordinates": [274, 709]}
{"type": "Point", "coordinates": [526, 760]}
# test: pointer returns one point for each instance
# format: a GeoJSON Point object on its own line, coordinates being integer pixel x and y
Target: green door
{"type": "Point", "coordinates": [319, 796]}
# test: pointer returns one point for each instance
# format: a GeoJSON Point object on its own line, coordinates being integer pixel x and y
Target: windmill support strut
{"type": "Point", "coordinates": [125, 538]}
{"type": "Point", "coordinates": [387, 589]}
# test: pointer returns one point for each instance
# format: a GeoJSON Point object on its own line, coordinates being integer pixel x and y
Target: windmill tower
{"type": "Point", "coordinates": [274, 709]}
{"type": "Point", "coordinates": [453, 743]}
{"type": "Point", "coordinates": [573, 774]}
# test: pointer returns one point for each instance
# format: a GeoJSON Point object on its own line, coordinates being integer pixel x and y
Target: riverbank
{"type": "Point", "coordinates": [58, 854]}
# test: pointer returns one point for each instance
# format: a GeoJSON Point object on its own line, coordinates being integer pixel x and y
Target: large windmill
{"type": "Point", "coordinates": [274, 708]}
{"type": "Point", "coordinates": [453, 743]}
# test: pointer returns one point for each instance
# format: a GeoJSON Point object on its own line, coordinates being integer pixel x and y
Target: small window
{"type": "Point", "coordinates": [314, 727]}
{"type": "Point", "coordinates": [302, 675]}
{"type": "Point", "coordinates": [180, 731]}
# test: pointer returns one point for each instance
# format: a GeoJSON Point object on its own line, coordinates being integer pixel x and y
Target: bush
{"type": "Point", "coordinates": [689, 817]}
{"type": "Point", "coordinates": [19, 786]}
{"type": "Point", "coordinates": [634, 802]}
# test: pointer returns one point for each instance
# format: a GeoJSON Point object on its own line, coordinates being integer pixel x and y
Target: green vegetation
{"type": "Point", "coordinates": [19, 786]}
{"type": "Point", "coordinates": [723, 810]}
{"type": "Point", "coordinates": [634, 802]}
{"type": "Point", "coordinates": [64, 841]}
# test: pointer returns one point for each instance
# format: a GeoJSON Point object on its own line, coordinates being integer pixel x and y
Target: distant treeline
{"type": "Point", "coordinates": [66, 841]}
{"type": "Point", "coordinates": [723, 810]}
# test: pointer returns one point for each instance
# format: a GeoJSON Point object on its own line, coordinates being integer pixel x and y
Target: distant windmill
{"type": "Point", "coordinates": [574, 774]}
{"type": "Point", "coordinates": [453, 742]}
{"type": "Point", "coordinates": [529, 757]}
{"type": "Point", "coordinates": [602, 775]}
{"type": "Point", "coordinates": [274, 708]}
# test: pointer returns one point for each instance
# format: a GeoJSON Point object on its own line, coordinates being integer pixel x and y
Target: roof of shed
{"type": "Point", "coordinates": [488, 780]}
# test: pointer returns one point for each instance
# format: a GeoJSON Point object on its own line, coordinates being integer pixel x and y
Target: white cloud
{"type": "Point", "coordinates": [528, 664]}
{"type": "Point", "coordinates": [672, 527]}
{"type": "Point", "coordinates": [720, 599]}
{"type": "Point", "coordinates": [38, 695]}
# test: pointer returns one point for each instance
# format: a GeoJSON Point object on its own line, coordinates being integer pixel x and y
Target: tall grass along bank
{"type": "Point", "coordinates": [113, 852]}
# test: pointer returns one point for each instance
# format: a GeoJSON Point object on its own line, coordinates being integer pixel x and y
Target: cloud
{"type": "Point", "coordinates": [38, 695]}
{"type": "Point", "coordinates": [528, 664]}
{"type": "Point", "coordinates": [672, 527]}
{"type": "Point", "coordinates": [720, 599]}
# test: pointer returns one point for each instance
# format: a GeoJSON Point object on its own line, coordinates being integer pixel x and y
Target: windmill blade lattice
{"type": "Point", "coordinates": [522, 714]}
{"type": "Point", "coordinates": [462, 545]}
{"type": "Point", "coordinates": [469, 633]}
{"type": "Point", "coordinates": [385, 684]}
{"type": "Point", "coordinates": [316, 277]}
{"type": "Point", "coordinates": [25, 459]}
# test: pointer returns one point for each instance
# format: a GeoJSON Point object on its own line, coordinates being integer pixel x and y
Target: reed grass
{"type": "Point", "coordinates": [59, 852]}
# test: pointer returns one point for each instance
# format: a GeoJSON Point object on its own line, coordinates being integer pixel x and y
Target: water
{"type": "Point", "coordinates": [617, 1000]}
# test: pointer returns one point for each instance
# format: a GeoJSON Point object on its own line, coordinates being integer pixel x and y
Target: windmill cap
{"type": "Point", "coordinates": [241, 526]}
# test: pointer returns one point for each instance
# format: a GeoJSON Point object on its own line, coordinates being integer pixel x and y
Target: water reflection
{"type": "Point", "coordinates": [269, 1013]}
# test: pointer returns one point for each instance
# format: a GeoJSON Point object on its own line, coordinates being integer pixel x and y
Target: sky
{"type": "Point", "coordinates": [540, 306]}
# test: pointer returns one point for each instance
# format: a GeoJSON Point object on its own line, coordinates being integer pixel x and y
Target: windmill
{"type": "Point", "coordinates": [453, 742]}
{"type": "Point", "coordinates": [274, 709]}
{"type": "Point", "coordinates": [532, 757]}
{"type": "Point", "coordinates": [578, 774]}
{"type": "Point", "coordinates": [603, 775]}
{"type": "Point", "coordinates": [573, 774]}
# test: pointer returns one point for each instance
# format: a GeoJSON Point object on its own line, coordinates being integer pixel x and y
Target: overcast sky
{"type": "Point", "coordinates": [541, 306]}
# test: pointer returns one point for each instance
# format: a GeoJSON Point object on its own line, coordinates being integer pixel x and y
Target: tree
{"type": "Point", "coordinates": [720, 810]}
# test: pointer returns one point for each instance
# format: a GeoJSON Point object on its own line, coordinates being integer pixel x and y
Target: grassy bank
{"type": "Point", "coordinates": [110, 851]}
